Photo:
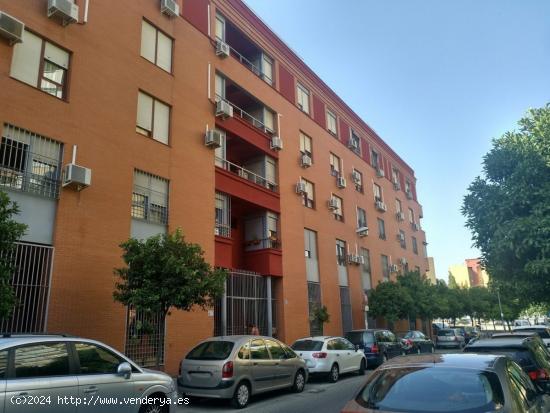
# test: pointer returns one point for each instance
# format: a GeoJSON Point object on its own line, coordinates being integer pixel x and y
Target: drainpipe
{"type": "Point", "coordinates": [269, 308]}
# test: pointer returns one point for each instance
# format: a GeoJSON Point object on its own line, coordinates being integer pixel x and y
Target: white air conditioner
{"type": "Point", "coordinates": [409, 194]}
{"type": "Point", "coordinates": [362, 231]}
{"type": "Point", "coordinates": [403, 261]}
{"type": "Point", "coordinates": [224, 109]}
{"type": "Point", "coordinates": [381, 206]}
{"type": "Point", "coordinates": [276, 143]}
{"type": "Point", "coordinates": [214, 138]}
{"type": "Point", "coordinates": [401, 237]}
{"type": "Point", "coordinates": [332, 204]}
{"type": "Point", "coordinates": [222, 49]}
{"type": "Point", "coordinates": [356, 177]}
{"type": "Point", "coordinates": [393, 268]}
{"type": "Point", "coordinates": [76, 176]}
{"type": "Point", "coordinates": [66, 10]}
{"type": "Point", "coordinates": [380, 173]}
{"type": "Point", "coordinates": [301, 188]}
{"type": "Point", "coordinates": [400, 216]}
{"type": "Point", "coordinates": [305, 161]}
{"type": "Point", "coordinates": [353, 145]}
{"type": "Point", "coordinates": [415, 226]}
{"type": "Point", "coordinates": [341, 182]}
{"type": "Point", "coordinates": [170, 8]}
{"type": "Point", "coordinates": [396, 185]}
{"type": "Point", "coordinates": [356, 259]}
{"type": "Point", "coordinates": [11, 28]}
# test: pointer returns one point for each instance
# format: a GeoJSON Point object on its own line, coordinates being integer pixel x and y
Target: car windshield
{"type": "Point", "coordinates": [356, 337]}
{"type": "Point", "coordinates": [211, 350]}
{"type": "Point", "coordinates": [542, 332]}
{"type": "Point", "coordinates": [446, 333]}
{"type": "Point", "coordinates": [307, 345]}
{"type": "Point", "coordinates": [521, 356]}
{"type": "Point", "coordinates": [424, 390]}
{"type": "Point", "coordinates": [410, 334]}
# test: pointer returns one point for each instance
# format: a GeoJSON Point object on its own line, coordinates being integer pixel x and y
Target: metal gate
{"type": "Point", "coordinates": [314, 303]}
{"type": "Point", "coordinates": [145, 333]}
{"type": "Point", "coordinates": [31, 284]}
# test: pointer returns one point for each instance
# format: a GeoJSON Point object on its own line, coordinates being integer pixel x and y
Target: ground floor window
{"type": "Point", "coordinates": [145, 336]}
{"type": "Point", "coordinates": [314, 303]}
{"type": "Point", "coordinates": [345, 302]}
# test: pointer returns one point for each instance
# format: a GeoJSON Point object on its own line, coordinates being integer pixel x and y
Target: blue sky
{"type": "Point", "coordinates": [436, 79]}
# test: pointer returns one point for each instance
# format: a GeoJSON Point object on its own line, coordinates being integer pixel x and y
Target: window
{"type": "Point", "coordinates": [41, 64]}
{"type": "Point", "coordinates": [402, 239]}
{"type": "Point", "coordinates": [153, 118]}
{"type": "Point", "coordinates": [361, 217]}
{"type": "Point", "coordinates": [156, 46]}
{"type": "Point", "coordinates": [30, 162]}
{"type": "Point", "coordinates": [366, 281]}
{"type": "Point", "coordinates": [303, 98]}
{"type": "Point", "coordinates": [275, 349]}
{"type": "Point", "coordinates": [377, 192]}
{"type": "Point", "coordinates": [408, 189]}
{"type": "Point", "coordinates": [331, 123]}
{"type": "Point", "coordinates": [395, 179]}
{"type": "Point", "coordinates": [357, 180]}
{"type": "Point", "coordinates": [385, 268]}
{"type": "Point", "coordinates": [305, 145]}
{"type": "Point", "coordinates": [381, 229]}
{"type": "Point", "coordinates": [96, 360]}
{"type": "Point", "coordinates": [3, 363]}
{"type": "Point", "coordinates": [267, 69]}
{"type": "Point", "coordinates": [354, 142]}
{"type": "Point", "coordinates": [314, 303]}
{"type": "Point", "coordinates": [312, 264]}
{"type": "Point", "coordinates": [411, 216]}
{"type": "Point", "coordinates": [258, 350]}
{"type": "Point", "coordinates": [335, 165]}
{"type": "Point", "coordinates": [398, 207]}
{"type": "Point", "coordinates": [41, 360]}
{"type": "Point", "coordinates": [341, 252]}
{"type": "Point", "coordinates": [222, 215]}
{"type": "Point", "coordinates": [220, 27]}
{"type": "Point", "coordinates": [150, 198]}
{"type": "Point", "coordinates": [339, 210]}
{"type": "Point", "coordinates": [374, 159]}
{"type": "Point", "coordinates": [414, 245]}
{"type": "Point", "coordinates": [308, 197]}
{"type": "Point", "coordinates": [220, 87]}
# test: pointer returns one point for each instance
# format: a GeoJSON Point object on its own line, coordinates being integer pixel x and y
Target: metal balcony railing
{"type": "Point", "coordinates": [247, 117]}
{"type": "Point", "coordinates": [258, 244]}
{"type": "Point", "coordinates": [246, 174]}
{"type": "Point", "coordinates": [251, 66]}
{"type": "Point", "coordinates": [223, 230]}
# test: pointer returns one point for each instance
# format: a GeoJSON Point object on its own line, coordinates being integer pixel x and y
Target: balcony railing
{"type": "Point", "coordinates": [251, 66]}
{"type": "Point", "coordinates": [258, 244]}
{"type": "Point", "coordinates": [246, 174]}
{"type": "Point", "coordinates": [223, 230]}
{"type": "Point", "coordinates": [237, 111]}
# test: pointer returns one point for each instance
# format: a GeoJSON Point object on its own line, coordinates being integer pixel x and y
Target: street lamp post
{"type": "Point", "coordinates": [500, 307]}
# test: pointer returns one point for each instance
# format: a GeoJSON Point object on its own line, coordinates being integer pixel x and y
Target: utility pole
{"type": "Point", "coordinates": [500, 307]}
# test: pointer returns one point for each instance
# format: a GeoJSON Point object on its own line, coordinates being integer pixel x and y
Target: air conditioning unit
{"type": "Point", "coordinates": [415, 226]}
{"type": "Point", "coordinates": [305, 161]}
{"type": "Point", "coordinates": [222, 49]}
{"type": "Point", "coordinates": [66, 10]}
{"type": "Point", "coordinates": [362, 231]}
{"type": "Point", "coordinates": [356, 259]}
{"type": "Point", "coordinates": [214, 138]}
{"type": "Point", "coordinates": [393, 268]}
{"type": "Point", "coordinates": [224, 109]}
{"type": "Point", "coordinates": [301, 188]}
{"type": "Point", "coordinates": [353, 145]}
{"type": "Point", "coordinates": [276, 143]}
{"type": "Point", "coordinates": [76, 176]}
{"type": "Point", "coordinates": [11, 28]}
{"type": "Point", "coordinates": [409, 194]}
{"type": "Point", "coordinates": [356, 177]}
{"type": "Point", "coordinates": [396, 185]}
{"type": "Point", "coordinates": [400, 237]}
{"type": "Point", "coordinates": [170, 8]}
{"type": "Point", "coordinates": [380, 173]}
{"type": "Point", "coordinates": [400, 216]}
{"type": "Point", "coordinates": [341, 182]}
{"type": "Point", "coordinates": [381, 206]}
{"type": "Point", "coordinates": [403, 261]}
{"type": "Point", "coordinates": [332, 204]}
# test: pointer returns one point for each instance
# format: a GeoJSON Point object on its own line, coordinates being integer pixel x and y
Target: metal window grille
{"type": "Point", "coordinates": [314, 302]}
{"type": "Point", "coordinates": [145, 334]}
{"type": "Point", "coordinates": [223, 215]}
{"type": "Point", "coordinates": [31, 284]}
{"type": "Point", "coordinates": [150, 198]}
{"type": "Point", "coordinates": [246, 304]}
{"type": "Point", "coordinates": [30, 162]}
{"type": "Point", "coordinates": [345, 304]}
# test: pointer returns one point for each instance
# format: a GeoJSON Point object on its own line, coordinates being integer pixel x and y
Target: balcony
{"type": "Point", "coordinates": [246, 174]}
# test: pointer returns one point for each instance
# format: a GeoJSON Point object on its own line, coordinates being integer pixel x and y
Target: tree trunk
{"type": "Point", "coordinates": [160, 348]}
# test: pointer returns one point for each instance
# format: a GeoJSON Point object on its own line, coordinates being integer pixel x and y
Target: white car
{"type": "Point", "coordinates": [542, 330]}
{"type": "Point", "coordinates": [331, 356]}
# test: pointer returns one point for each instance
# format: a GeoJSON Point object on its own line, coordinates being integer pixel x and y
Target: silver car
{"type": "Point", "coordinates": [237, 367]}
{"type": "Point", "coordinates": [59, 374]}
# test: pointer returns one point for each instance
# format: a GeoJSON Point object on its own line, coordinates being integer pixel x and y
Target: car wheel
{"type": "Point", "coordinates": [334, 373]}
{"type": "Point", "coordinates": [152, 408]}
{"type": "Point", "coordinates": [362, 367]}
{"type": "Point", "coordinates": [241, 397]}
{"type": "Point", "coordinates": [299, 382]}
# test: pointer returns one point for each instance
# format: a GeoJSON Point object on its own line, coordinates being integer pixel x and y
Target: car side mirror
{"type": "Point", "coordinates": [124, 369]}
{"type": "Point", "coordinates": [357, 347]}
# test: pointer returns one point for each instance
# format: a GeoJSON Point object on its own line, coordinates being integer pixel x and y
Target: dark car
{"type": "Point", "coordinates": [458, 383]}
{"type": "Point", "coordinates": [417, 342]}
{"type": "Point", "coordinates": [378, 345]}
{"type": "Point", "coordinates": [529, 352]}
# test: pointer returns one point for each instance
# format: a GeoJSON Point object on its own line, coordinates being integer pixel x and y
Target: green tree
{"type": "Point", "coordinates": [391, 301]}
{"type": "Point", "coordinates": [164, 272]}
{"type": "Point", "coordinates": [421, 293]}
{"type": "Point", "coordinates": [508, 209]}
{"type": "Point", "coordinates": [10, 232]}
{"type": "Point", "coordinates": [452, 281]}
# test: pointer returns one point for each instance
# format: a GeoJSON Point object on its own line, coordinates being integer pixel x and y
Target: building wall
{"type": "Point", "coordinates": [430, 274]}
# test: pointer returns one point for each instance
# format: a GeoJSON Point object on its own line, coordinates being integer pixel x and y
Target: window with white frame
{"type": "Point", "coordinates": [335, 165]}
{"type": "Point", "coordinates": [338, 211]}
{"type": "Point", "coordinates": [402, 239]}
{"type": "Point", "coordinates": [357, 180]}
{"type": "Point", "coordinates": [411, 216]}
{"type": "Point", "coordinates": [385, 267]}
{"type": "Point", "coordinates": [302, 95]}
{"type": "Point", "coordinates": [308, 197]}
{"type": "Point", "coordinates": [156, 46]}
{"type": "Point", "coordinates": [220, 87]}
{"type": "Point", "coordinates": [377, 192]}
{"type": "Point", "coordinates": [361, 217]}
{"type": "Point", "coordinates": [355, 142]}
{"type": "Point", "coordinates": [153, 118]}
{"type": "Point", "coordinates": [374, 159]}
{"type": "Point", "coordinates": [267, 69]}
{"type": "Point", "coordinates": [341, 252]}
{"type": "Point", "coordinates": [381, 229]}
{"type": "Point", "coordinates": [305, 145]}
{"type": "Point", "coordinates": [331, 122]}
{"type": "Point", "coordinates": [408, 187]}
{"type": "Point", "coordinates": [41, 64]}
{"type": "Point", "coordinates": [312, 264]}
{"type": "Point", "coordinates": [366, 280]}
{"type": "Point", "coordinates": [398, 207]}
{"type": "Point", "coordinates": [396, 179]}
{"type": "Point", "coordinates": [222, 215]}
{"type": "Point", "coordinates": [150, 198]}
{"type": "Point", "coordinates": [220, 27]}
{"type": "Point", "coordinates": [414, 245]}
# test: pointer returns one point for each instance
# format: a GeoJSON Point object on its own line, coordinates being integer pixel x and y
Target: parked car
{"type": "Point", "coordinates": [378, 345]}
{"type": "Point", "coordinates": [35, 367]}
{"type": "Point", "coordinates": [460, 383]}
{"type": "Point", "coordinates": [472, 333]}
{"type": "Point", "coordinates": [449, 337]}
{"type": "Point", "coordinates": [542, 330]}
{"type": "Point", "coordinates": [238, 367]}
{"type": "Point", "coordinates": [417, 342]}
{"type": "Point", "coordinates": [529, 352]}
{"type": "Point", "coordinates": [520, 323]}
{"type": "Point", "coordinates": [330, 356]}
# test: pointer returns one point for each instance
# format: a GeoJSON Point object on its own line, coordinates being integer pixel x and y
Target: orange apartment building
{"type": "Point", "coordinates": [133, 118]}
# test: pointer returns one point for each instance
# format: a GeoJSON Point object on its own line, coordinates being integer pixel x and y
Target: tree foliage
{"type": "Point", "coordinates": [508, 208]}
{"type": "Point", "coordinates": [391, 301]}
{"type": "Point", "coordinates": [10, 232]}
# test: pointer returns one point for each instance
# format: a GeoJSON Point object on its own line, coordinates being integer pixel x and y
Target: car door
{"type": "Point", "coordinates": [333, 354]}
{"type": "Point", "coordinates": [394, 346]}
{"type": "Point", "coordinates": [98, 379]}
{"type": "Point", "coordinates": [263, 368]}
{"type": "Point", "coordinates": [3, 372]}
{"type": "Point", "coordinates": [41, 372]}
{"type": "Point", "coordinates": [284, 368]}
{"type": "Point", "coordinates": [353, 357]}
